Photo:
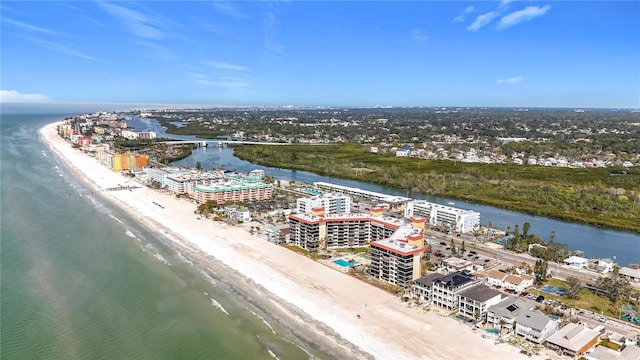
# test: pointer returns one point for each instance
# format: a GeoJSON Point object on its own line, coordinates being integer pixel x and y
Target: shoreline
{"type": "Point", "coordinates": [316, 303]}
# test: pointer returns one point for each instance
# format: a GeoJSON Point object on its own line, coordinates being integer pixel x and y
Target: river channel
{"type": "Point", "coordinates": [595, 242]}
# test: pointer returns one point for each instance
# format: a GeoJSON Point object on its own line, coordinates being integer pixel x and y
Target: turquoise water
{"type": "Point", "coordinates": [81, 280]}
{"type": "Point", "coordinates": [345, 263]}
{"type": "Point", "coordinates": [493, 331]}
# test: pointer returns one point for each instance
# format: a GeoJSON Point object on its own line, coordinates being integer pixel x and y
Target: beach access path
{"type": "Point", "coordinates": [385, 329]}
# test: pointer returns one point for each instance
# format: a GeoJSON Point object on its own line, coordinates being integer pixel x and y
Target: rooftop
{"type": "Point", "coordinates": [428, 279]}
{"type": "Point", "coordinates": [603, 353]}
{"type": "Point", "coordinates": [573, 336]}
{"type": "Point", "coordinates": [397, 246]}
{"type": "Point", "coordinates": [509, 308]}
{"type": "Point", "coordinates": [480, 293]}
{"type": "Point", "coordinates": [534, 319]}
{"type": "Point", "coordinates": [454, 280]}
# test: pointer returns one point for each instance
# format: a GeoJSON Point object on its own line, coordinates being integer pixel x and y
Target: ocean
{"type": "Point", "coordinates": [81, 280]}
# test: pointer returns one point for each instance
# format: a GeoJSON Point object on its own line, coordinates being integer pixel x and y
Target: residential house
{"type": "Point", "coordinates": [534, 325]}
{"type": "Point", "coordinates": [496, 278]}
{"type": "Point", "coordinates": [605, 265]}
{"type": "Point", "coordinates": [454, 264]}
{"type": "Point", "coordinates": [475, 301]}
{"type": "Point", "coordinates": [517, 282]}
{"type": "Point", "coordinates": [422, 287]}
{"type": "Point", "coordinates": [504, 314]}
{"type": "Point", "coordinates": [577, 262]}
{"type": "Point", "coordinates": [446, 290]}
{"type": "Point", "coordinates": [604, 353]}
{"type": "Point", "coordinates": [573, 339]}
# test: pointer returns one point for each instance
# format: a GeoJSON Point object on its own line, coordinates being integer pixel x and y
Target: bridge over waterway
{"type": "Point", "coordinates": [221, 142]}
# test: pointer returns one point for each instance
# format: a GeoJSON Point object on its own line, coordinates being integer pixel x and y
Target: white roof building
{"type": "Point", "coordinates": [577, 262]}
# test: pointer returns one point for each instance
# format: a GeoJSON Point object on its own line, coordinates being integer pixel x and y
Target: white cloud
{"type": "Point", "coordinates": [138, 24]}
{"type": "Point", "coordinates": [31, 28]}
{"type": "Point", "coordinates": [64, 49]}
{"type": "Point", "coordinates": [228, 9]}
{"type": "Point", "coordinates": [504, 3]}
{"type": "Point", "coordinates": [510, 81]}
{"type": "Point", "coordinates": [418, 36]}
{"type": "Point", "coordinates": [525, 14]}
{"type": "Point", "coordinates": [13, 96]}
{"type": "Point", "coordinates": [482, 20]}
{"type": "Point", "coordinates": [225, 66]}
{"type": "Point", "coordinates": [272, 44]}
{"type": "Point", "coordinates": [467, 10]}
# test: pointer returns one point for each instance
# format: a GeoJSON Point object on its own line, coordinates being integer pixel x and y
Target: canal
{"type": "Point", "coordinates": [596, 242]}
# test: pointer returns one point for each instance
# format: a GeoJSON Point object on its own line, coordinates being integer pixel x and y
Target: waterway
{"type": "Point", "coordinates": [596, 242]}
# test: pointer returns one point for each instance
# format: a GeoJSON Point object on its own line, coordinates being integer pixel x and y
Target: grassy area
{"type": "Point", "coordinates": [296, 249]}
{"type": "Point", "coordinates": [587, 300]}
{"type": "Point", "coordinates": [580, 195]}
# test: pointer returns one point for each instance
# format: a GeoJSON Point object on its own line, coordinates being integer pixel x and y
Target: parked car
{"type": "Point", "coordinates": [524, 293]}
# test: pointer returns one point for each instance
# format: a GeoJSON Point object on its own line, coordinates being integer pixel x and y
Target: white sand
{"type": "Point", "coordinates": [387, 329]}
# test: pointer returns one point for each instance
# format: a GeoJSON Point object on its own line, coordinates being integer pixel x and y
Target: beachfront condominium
{"type": "Point", "coordinates": [396, 261]}
{"type": "Point", "coordinates": [117, 161]}
{"type": "Point", "coordinates": [396, 245]}
{"type": "Point", "coordinates": [234, 192]}
{"type": "Point", "coordinates": [309, 230]}
{"type": "Point", "coordinates": [459, 220]}
{"type": "Point", "coordinates": [332, 204]}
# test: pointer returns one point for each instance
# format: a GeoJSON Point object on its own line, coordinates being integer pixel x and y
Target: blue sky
{"type": "Point", "coordinates": [347, 53]}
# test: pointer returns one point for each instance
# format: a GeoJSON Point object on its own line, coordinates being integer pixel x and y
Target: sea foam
{"type": "Point", "coordinates": [217, 305]}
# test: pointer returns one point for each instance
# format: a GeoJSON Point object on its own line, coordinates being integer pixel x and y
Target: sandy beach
{"type": "Point", "coordinates": [322, 302]}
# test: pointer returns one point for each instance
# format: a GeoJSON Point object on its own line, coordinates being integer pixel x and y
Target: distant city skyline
{"type": "Point", "coordinates": [306, 53]}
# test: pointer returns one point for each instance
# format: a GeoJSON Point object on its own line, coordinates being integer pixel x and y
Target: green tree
{"type": "Point", "coordinates": [198, 165]}
{"type": "Point", "coordinates": [540, 271]}
{"type": "Point", "coordinates": [614, 286]}
{"type": "Point", "coordinates": [453, 248]}
{"type": "Point", "coordinates": [462, 248]}
{"type": "Point", "coordinates": [525, 229]}
{"type": "Point", "coordinates": [574, 287]}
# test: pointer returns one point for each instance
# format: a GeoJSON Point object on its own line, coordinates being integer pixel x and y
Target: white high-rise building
{"type": "Point", "coordinates": [460, 220]}
{"type": "Point", "coordinates": [332, 204]}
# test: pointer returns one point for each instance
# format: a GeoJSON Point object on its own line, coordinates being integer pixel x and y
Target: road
{"type": "Point", "coordinates": [559, 271]}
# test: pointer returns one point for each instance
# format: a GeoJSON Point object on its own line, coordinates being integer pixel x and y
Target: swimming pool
{"type": "Point", "coordinates": [493, 331]}
{"type": "Point", "coordinates": [345, 263]}
{"type": "Point", "coordinates": [553, 290]}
